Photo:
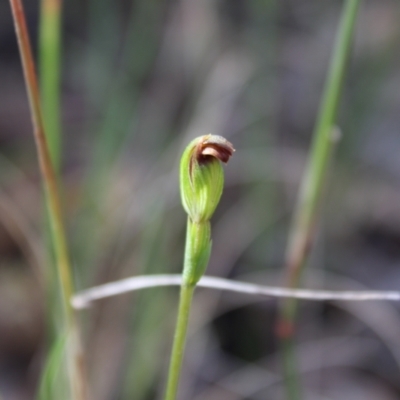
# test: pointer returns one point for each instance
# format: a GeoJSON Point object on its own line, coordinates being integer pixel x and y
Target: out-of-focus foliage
{"type": "Point", "coordinates": [140, 79]}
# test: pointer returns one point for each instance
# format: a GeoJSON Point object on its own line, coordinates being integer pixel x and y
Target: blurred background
{"type": "Point", "coordinates": [140, 79]}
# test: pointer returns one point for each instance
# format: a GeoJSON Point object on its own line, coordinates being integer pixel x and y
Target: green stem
{"type": "Point", "coordinates": [178, 348]}
{"type": "Point", "coordinates": [49, 72]}
{"type": "Point", "coordinates": [53, 203]}
{"type": "Point", "coordinates": [302, 229]}
{"type": "Point", "coordinates": [49, 61]}
{"type": "Point", "coordinates": [197, 252]}
{"type": "Point", "coordinates": [290, 369]}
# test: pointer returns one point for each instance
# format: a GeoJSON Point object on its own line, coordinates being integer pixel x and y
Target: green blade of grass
{"type": "Point", "coordinates": [302, 228]}
{"type": "Point", "coordinates": [52, 198]}
{"type": "Point", "coordinates": [49, 71]}
{"type": "Point", "coordinates": [49, 63]}
{"type": "Point", "coordinates": [50, 387]}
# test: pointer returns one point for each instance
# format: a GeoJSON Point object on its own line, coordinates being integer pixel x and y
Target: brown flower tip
{"type": "Point", "coordinates": [202, 175]}
{"type": "Point", "coordinates": [213, 146]}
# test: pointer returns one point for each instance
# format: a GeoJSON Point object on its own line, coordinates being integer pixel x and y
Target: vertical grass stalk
{"type": "Point", "coordinates": [49, 81]}
{"type": "Point", "coordinates": [53, 203]}
{"type": "Point", "coordinates": [302, 229]}
{"type": "Point", "coordinates": [49, 68]}
{"type": "Point", "coordinates": [201, 185]}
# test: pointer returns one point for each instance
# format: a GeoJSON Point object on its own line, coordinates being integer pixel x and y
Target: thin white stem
{"type": "Point", "coordinates": [84, 298]}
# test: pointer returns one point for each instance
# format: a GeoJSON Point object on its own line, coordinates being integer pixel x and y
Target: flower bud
{"type": "Point", "coordinates": [202, 176]}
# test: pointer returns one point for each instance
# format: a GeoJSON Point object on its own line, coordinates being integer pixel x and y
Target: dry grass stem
{"type": "Point", "coordinates": [83, 299]}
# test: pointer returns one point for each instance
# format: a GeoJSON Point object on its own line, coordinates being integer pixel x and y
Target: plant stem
{"type": "Point", "coordinates": [191, 264]}
{"type": "Point", "coordinates": [185, 301]}
{"type": "Point", "coordinates": [49, 80]}
{"type": "Point", "coordinates": [197, 253]}
{"type": "Point", "coordinates": [302, 229]}
{"type": "Point", "coordinates": [53, 203]}
{"type": "Point", "coordinates": [292, 380]}
{"type": "Point", "coordinates": [49, 60]}
{"type": "Point", "coordinates": [85, 298]}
